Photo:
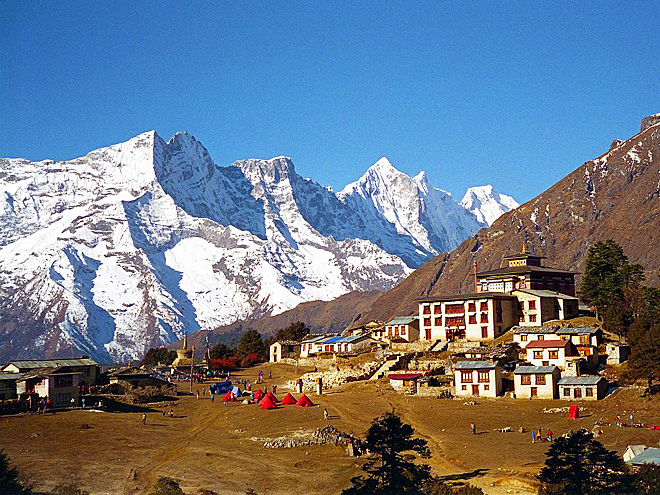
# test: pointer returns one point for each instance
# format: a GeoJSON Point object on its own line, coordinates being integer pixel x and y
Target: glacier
{"type": "Point", "coordinates": [133, 244]}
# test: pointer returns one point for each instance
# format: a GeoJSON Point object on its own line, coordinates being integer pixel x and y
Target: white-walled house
{"type": "Point", "coordinates": [538, 306]}
{"type": "Point", "coordinates": [477, 378]}
{"type": "Point", "coordinates": [549, 352]}
{"type": "Point", "coordinates": [581, 336]}
{"type": "Point", "coordinates": [536, 382]}
{"type": "Point", "coordinates": [584, 387]}
{"type": "Point", "coordinates": [284, 349]}
{"type": "Point", "coordinates": [334, 344]}
{"type": "Point", "coordinates": [399, 328]}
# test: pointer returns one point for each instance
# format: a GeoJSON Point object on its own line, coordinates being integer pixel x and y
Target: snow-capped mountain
{"type": "Point", "coordinates": [129, 246]}
{"type": "Point", "coordinates": [487, 204]}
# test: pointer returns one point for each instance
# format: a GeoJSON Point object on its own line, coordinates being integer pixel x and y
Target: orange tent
{"type": "Point", "coordinates": [258, 395]}
{"type": "Point", "coordinates": [266, 403]}
{"type": "Point", "coordinates": [304, 401]}
{"type": "Point", "coordinates": [288, 399]}
{"type": "Point", "coordinates": [272, 397]}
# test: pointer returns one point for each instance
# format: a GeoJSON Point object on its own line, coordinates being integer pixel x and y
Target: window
{"type": "Point", "coordinates": [584, 340]}
{"type": "Point", "coordinates": [427, 310]}
{"type": "Point", "coordinates": [427, 322]}
{"type": "Point", "coordinates": [531, 304]}
{"type": "Point", "coordinates": [553, 354]}
{"type": "Point", "coordinates": [403, 330]}
{"type": "Point", "coordinates": [455, 321]}
{"type": "Point", "coordinates": [463, 387]}
{"type": "Point", "coordinates": [472, 319]}
{"type": "Point", "coordinates": [538, 354]}
{"type": "Point", "coordinates": [589, 392]}
{"type": "Point", "coordinates": [472, 307]}
{"type": "Point", "coordinates": [483, 306]}
{"type": "Point", "coordinates": [437, 309]}
{"type": "Point", "coordinates": [526, 379]}
{"type": "Point", "coordinates": [577, 393]}
{"type": "Point", "coordinates": [540, 379]}
{"type": "Point", "coordinates": [484, 317]}
{"type": "Point", "coordinates": [438, 321]}
{"type": "Point", "coordinates": [484, 332]}
{"type": "Point", "coordinates": [523, 337]}
{"type": "Point", "coordinates": [484, 376]}
{"type": "Point", "coordinates": [454, 309]}
{"type": "Point", "coordinates": [532, 318]}
{"type": "Point", "coordinates": [428, 334]}
{"type": "Point", "coordinates": [540, 337]}
{"type": "Point", "coordinates": [486, 387]}
{"type": "Point", "coordinates": [567, 392]}
{"type": "Point", "coordinates": [466, 376]}
{"type": "Point", "coordinates": [521, 318]}
{"type": "Point", "coordinates": [64, 381]}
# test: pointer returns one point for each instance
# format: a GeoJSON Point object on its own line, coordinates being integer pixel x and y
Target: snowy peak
{"type": "Point", "coordinates": [486, 203]}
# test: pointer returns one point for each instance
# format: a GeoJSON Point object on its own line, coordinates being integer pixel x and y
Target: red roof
{"type": "Point", "coordinates": [404, 376]}
{"type": "Point", "coordinates": [304, 401]}
{"type": "Point", "coordinates": [288, 399]}
{"type": "Point", "coordinates": [548, 343]}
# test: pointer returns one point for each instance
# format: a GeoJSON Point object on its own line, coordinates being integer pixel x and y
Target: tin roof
{"type": "Point", "coordinates": [129, 370]}
{"type": "Point", "coordinates": [543, 344]}
{"type": "Point", "coordinates": [45, 363]}
{"type": "Point", "coordinates": [546, 293]}
{"type": "Point", "coordinates": [534, 370]}
{"type": "Point", "coordinates": [542, 329]}
{"type": "Point", "coordinates": [44, 372]}
{"type": "Point", "coordinates": [402, 320]}
{"type": "Point", "coordinates": [474, 365]}
{"type": "Point", "coordinates": [578, 330]}
{"type": "Point", "coordinates": [404, 376]}
{"type": "Point", "coordinates": [516, 270]}
{"type": "Point", "coordinates": [581, 380]}
{"type": "Point", "coordinates": [649, 456]}
{"type": "Point", "coordinates": [336, 339]}
{"type": "Point", "coordinates": [467, 297]}
{"type": "Point", "coordinates": [10, 376]}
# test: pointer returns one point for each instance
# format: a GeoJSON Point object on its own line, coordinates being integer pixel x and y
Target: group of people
{"type": "Point", "coordinates": [537, 436]}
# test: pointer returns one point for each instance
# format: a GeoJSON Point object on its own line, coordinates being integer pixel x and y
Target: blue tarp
{"type": "Point", "coordinates": [220, 387]}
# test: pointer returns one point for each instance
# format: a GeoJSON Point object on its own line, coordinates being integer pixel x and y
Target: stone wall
{"type": "Point", "coordinates": [333, 379]}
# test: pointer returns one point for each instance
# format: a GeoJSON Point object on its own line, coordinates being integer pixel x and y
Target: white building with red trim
{"type": "Point", "coordinates": [477, 378]}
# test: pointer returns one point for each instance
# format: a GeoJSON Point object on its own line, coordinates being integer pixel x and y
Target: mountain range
{"type": "Point", "coordinates": [133, 244]}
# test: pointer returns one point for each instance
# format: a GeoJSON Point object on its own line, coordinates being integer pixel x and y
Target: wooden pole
{"type": "Point", "coordinates": [192, 362]}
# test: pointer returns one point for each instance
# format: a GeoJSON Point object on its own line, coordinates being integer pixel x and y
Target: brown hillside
{"type": "Point", "coordinates": [616, 196]}
{"type": "Point", "coordinates": [320, 316]}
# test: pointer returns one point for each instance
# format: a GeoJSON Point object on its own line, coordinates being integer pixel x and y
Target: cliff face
{"type": "Point", "coordinates": [615, 196]}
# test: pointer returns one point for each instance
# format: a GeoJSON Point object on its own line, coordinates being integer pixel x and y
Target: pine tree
{"type": "Point", "coordinates": [392, 470]}
{"type": "Point", "coordinates": [9, 484]}
{"type": "Point", "coordinates": [251, 343]}
{"type": "Point", "coordinates": [580, 465]}
{"type": "Point", "coordinates": [647, 479]}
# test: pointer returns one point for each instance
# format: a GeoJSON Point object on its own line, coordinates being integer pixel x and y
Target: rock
{"type": "Point", "coordinates": [615, 144]}
{"type": "Point", "coordinates": [649, 121]}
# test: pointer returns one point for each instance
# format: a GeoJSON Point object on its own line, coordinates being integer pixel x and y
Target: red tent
{"type": "Point", "coordinates": [288, 399]}
{"type": "Point", "coordinates": [229, 397]}
{"type": "Point", "coordinates": [574, 412]}
{"type": "Point", "coordinates": [272, 397]}
{"type": "Point", "coordinates": [266, 403]}
{"type": "Point", "coordinates": [304, 401]}
{"type": "Point", "coordinates": [258, 395]}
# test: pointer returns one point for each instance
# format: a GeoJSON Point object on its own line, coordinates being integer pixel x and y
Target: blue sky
{"type": "Point", "coordinates": [516, 94]}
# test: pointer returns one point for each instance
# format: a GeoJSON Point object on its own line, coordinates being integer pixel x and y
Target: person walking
{"type": "Point", "coordinates": [473, 428]}
{"type": "Point", "coordinates": [274, 389]}
{"type": "Point", "coordinates": [197, 395]}
{"type": "Point", "coordinates": [270, 375]}
{"type": "Point", "coordinates": [212, 396]}
{"type": "Point", "coordinates": [325, 413]}
{"type": "Point", "coordinates": [144, 419]}
{"type": "Point", "coordinates": [617, 420]}
{"type": "Point", "coordinates": [549, 435]}
{"type": "Point", "coordinates": [632, 419]}
{"type": "Point", "coordinates": [533, 436]}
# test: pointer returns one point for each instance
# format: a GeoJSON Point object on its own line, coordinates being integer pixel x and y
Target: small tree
{"type": "Point", "coordinates": [9, 478]}
{"type": "Point", "coordinates": [392, 470]}
{"type": "Point", "coordinates": [221, 350]}
{"type": "Point", "coordinates": [167, 486]}
{"type": "Point", "coordinates": [647, 479]}
{"type": "Point", "coordinates": [606, 273]}
{"type": "Point", "coordinates": [580, 465]}
{"type": "Point", "coordinates": [296, 331]}
{"type": "Point", "coordinates": [251, 342]}
{"type": "Point", "coordinates": [157, 355]}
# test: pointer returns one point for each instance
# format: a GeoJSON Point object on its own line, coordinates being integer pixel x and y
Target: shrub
{"type": "Point", "coordinates": [230, 363]}
{"type": "Point", "coordinates": [250, 360]}
{"type": "Point", "coordinates": [167, 486]}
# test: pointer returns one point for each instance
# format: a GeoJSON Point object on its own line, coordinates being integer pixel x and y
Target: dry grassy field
{"type": "Point", "coordinates": [208, 446]}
